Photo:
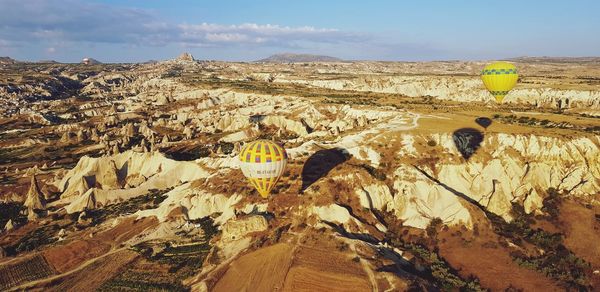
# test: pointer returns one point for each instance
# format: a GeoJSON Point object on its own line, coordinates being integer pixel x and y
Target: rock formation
{"type": "Point", "coordinates": [185, 57]}
{"type": "Point", "coordinates": [34, 198]}
{"type": "Point", "coordinates": [9, 225]}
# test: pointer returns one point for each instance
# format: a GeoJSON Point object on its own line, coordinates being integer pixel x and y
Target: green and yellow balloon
{"type": "Point", "coordinates": [499, 78]}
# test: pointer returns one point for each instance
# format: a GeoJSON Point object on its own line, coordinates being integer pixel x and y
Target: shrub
{"type": "Point", "coordinates": [433, 226]}
{"type": "Point", "coordinates": [376, 173]}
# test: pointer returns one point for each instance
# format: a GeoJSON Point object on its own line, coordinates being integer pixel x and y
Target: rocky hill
{"type": "Point", "coordinates": [572, 60]}
{"type": "Point", "coordinates": [185, 57]}
{"type": "Point", "coordinates": [298, 58]}
{"type": "Point", "coordinates": [7, 60]}
{"type": "Point", "coordinates": [90, 61]}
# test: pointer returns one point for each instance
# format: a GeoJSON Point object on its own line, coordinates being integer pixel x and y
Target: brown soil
{"type": "Point", "coordinates": [13, 236]}
{"type": "Point", "coordinates": [324, 270]}
{"type": "Point", "coordinates": [285, 267]}
{"type": "Point", "coordinates": [483, 256]}
{"type": "Point", "coordinates": [262, 270]}
{"type": "Point", "coordinates": [582, 234]}
{"type": "Point", "coordinates": [93, 276]}
{"type": "Point", "coordinates": [582, 231]}
{"type": "Point", "coordinates": [71, 255]}
{"type": "Point", "coordinates": [127, 229]}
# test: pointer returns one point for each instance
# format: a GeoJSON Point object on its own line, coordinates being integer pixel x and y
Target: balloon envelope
{"type": "Point", "coordinates": [499, 78]}
{"type": "Point", "coordinates": [263, 163]}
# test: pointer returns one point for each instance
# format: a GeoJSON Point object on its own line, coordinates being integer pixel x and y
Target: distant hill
{"type": "Point", "coordinates": [90, 61]}
{"type": "Point", "coordinates": [556, 59]}
{"type": "Point", "coordinates": [47, 62]}
{"type": "Point", "coordinates": [7, 60]}
{"type": "Point", "coordinates": [298, 58]}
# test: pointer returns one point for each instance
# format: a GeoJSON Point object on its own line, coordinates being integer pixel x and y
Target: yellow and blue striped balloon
{"type": "Point", "coordinates": [263, 163]}
{"type": "Point", "coordinates": [499, 78]}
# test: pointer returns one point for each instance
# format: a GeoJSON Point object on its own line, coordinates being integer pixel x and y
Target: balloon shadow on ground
{"type": "Point", "coordinates": [320, 163]}
{"type": "Point", "coordinates": [483, 121]}
{"type": "Point", "coordinates": [467, 141]}
{"type": "Point", "coordinates": [255, 119]}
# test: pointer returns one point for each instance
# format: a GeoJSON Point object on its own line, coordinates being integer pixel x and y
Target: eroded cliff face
{"type": "Point", "coordinates": [463, 89]}
{"type": "Point", "coordinates": [119, 177]}
{"type": "Point", "coordinates": [506, 169]}
{"type": "Point", "coordinates": [502, 169]}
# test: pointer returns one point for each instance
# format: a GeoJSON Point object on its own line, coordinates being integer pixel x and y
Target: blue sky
{"type": "Point", "coordinates": [136, 30]}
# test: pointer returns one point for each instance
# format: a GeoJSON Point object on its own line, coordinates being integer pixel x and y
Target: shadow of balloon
{"type": "Point", "coordinates": [255, 119]}
{"type": "Point", "coordinates": [467, 141]}
{"type": "Point", "coordinates": [320, 163]}
{"type": "Point", "coordinates": [483, 121]}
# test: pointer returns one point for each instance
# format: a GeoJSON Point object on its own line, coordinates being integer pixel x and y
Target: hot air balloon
{"type": "Point", "coordinates": [499, 78]}
{"type": "Point", "coordinates": [263, 162]}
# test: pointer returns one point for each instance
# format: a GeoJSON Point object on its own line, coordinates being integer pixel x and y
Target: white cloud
{"type": "Point", "coordinates": [77, 21]}
{"type": "Point", "coordinates": [227, 37]}
{"type": "Point", "coordinates": [207, 33]}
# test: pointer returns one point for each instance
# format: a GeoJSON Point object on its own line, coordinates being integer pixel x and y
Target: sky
{"type": "Point", "coordinates": [142, 30]}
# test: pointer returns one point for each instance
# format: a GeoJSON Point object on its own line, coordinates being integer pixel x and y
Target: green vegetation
{"type": "Point", "coordinates": [265, 87]}
{"type": "Point", "coordinates": [226, 147]}
{"type": "Point", "coordinates": [137, 280]}
{"type": "Point", "coordinates": [179, 260]}
{"type": "Point", "coordinates": [530, 121]}
{"type": "Point", "coordinates": [189, 154]}
{"type": "Point", "coordinates": [561, 265]}
{"type": "Point", "coordinates": [148, 201]}
{"type": "Point", "coordinates": [376, 173]}
{"type": "Point", "coordinates": [557, 261]}
{"type": "Point", "coordinates": [184, 260]}
{"type": "Point", "coordinates": [552, 204]}
{"type": "Point", "coordinates": [14, 155]}
{"type": "Point", "coordinates": [438, 270]}
{"type": "Point", "coordinates": [24, 271]}
{"type": "Point", "coordinates": [432, 228]}
{"type": "Point", "coordinates": [11, 211]}
{"type": "Point", "coordinates": [39, 237]}
{"type": "Point", "coordinates": [208, 226]}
